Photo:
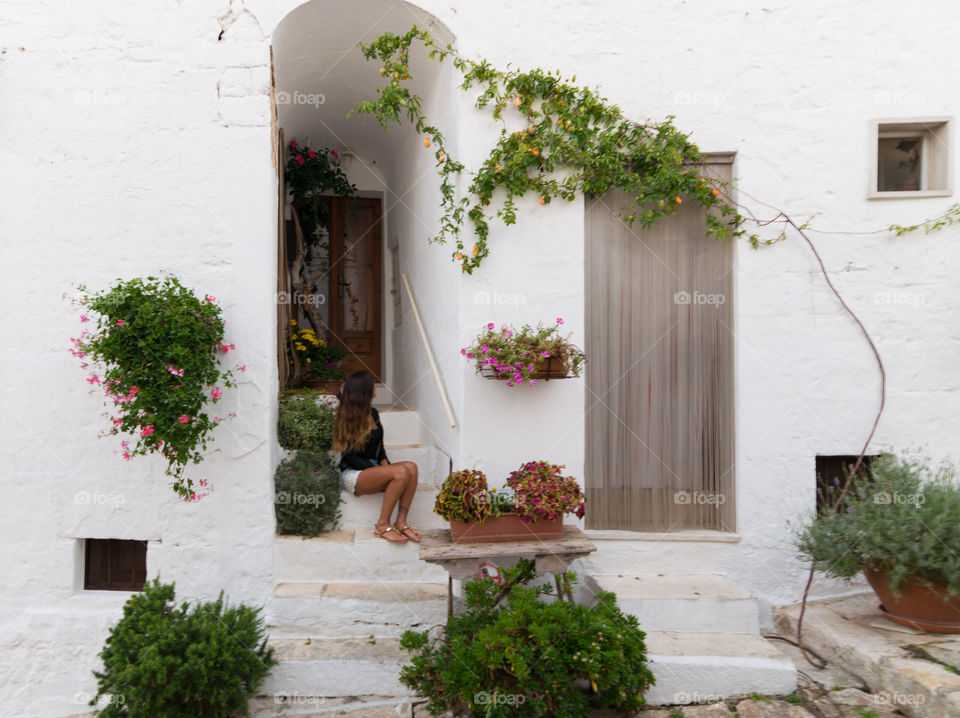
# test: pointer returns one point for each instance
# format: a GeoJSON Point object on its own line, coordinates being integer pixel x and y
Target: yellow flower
{"type": "Point", "coordinates": [293, 322]}
{"type": "Point", "coordinates": [300, 347]}
{"type": "Point", "coordinates": [309, 360]}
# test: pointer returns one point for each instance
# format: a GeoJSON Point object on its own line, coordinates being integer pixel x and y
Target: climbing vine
{"type": "Point", "coordinates": [568, 127]}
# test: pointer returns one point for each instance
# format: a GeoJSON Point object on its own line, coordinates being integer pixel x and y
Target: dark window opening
{"type": "Point", "coordinates": [114, 565]}
{"type": "Point", "coordinates": [832, 473]}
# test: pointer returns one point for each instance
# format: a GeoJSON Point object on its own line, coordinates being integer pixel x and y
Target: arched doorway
{"type": "Point", "coordinates": [340, 275]}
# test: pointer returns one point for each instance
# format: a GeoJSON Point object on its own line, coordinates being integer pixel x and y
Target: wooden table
{"type": "Point", "coordinates": [460, 560]}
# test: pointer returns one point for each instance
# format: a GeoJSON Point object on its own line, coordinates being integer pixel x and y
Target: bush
{"type": "Point", "coordinates": [529, 657]}
{"type": "Point", "coordinates": [305, 423]}
{"type": "Point", "coordinates": [166, 662]}
{"type": "Point", "coordinates": [464, 497]}
{"type": "Point", "coordinates": [906, 521]}
{"type": "Point", "coordinates": [307, 499]}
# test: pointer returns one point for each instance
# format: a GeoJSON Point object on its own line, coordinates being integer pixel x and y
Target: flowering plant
{"type": "Point", "coordinates": [518, 356]}
{"type": "Point", "coordinates": [542, 492]}
{"type": "Point", "coordinates": [321, 359]}
{"type": "Point", "coordinates": [157, 346]}
{"type": "Point", "coordinates": [310, 173]}
{"type": "Point", "coordinates": [537, 490]}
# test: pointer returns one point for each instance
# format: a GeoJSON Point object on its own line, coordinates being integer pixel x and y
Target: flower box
{"type": "Point", "coordinates": [505, 527]}
{"type": "Point", "coordinates": [552, 368]}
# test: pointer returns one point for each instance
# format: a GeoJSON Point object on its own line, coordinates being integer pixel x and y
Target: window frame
{"type": "Point", "coordinates": [936, 170]}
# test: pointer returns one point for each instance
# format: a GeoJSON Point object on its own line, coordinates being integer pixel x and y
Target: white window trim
{"type": "Point", "coordinates": [912, 127]}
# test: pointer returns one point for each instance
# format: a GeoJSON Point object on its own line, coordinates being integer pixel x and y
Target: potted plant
{"type": "Point", "coordinates": [530, 507]}
{"type": "Point", "coordinates": [320, 359]}
{"type": "Point", "coordinates": [902, 530]}
{"type": "Point", "coordinates": [525, 355]}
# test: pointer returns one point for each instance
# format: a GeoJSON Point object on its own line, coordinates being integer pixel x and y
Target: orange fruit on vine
{"type": "Point", "coordinates": [678, 200]}
{"type": "Point", "coordinates": [498, 169]}
{"type": "Point", "coordinates": [535, 151]}
{"type": "Point", "coordinates": [542, 200]}
{"type": "Point", "coordinates": [518, 100]}
{"type": "Point", "coordinates": [476, 250]}
{"type": "Point", "coordinates": [714, 192]}
{"type": "Point", "coordinates": [426, 141]}
{"type": "Point", "coordinates": [459, 256]}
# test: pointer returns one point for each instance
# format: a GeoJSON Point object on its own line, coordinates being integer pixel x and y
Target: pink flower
{"type": "Point", "coordinates": [243, 368]}
{"type": "Point", "coordinates": [175, 372]}
{"type": "Point", "coordinates": [93, 379]}
{"type": "Point", "coordinates": [300, 160]}
{"type": "Point", "coordinates": [463, 351]}
{"type": "Point", "coordinates": [126, 456]}
{"type": "Point", "coordinates": [311, 154]}
{"type": "Point", "coordinates": [559, 320]}
{"type": "Point", "coordinates": [210, 299]}
{"type": "Point", "coordinates": [490, 326]}
{"type": "Point", "coordinates": [336, 155]}
{"type": "Point", "coordinates": [215, 393]}
{"type": "Point", "coordinates": [84, 319]}
{"type": "Point", "coordinates": [147, 430]}
{"type": "Point", "coordinates": [184, 419]}
{"type": "Point", "coordinates": [124, 444]}
{"type": "Point", "coordinates": [203, 483]}
{"type": "Point", "coordinates": [545, 354]}
{"type": "Point", "coordinates": [133, 390]}
{"type": "Point", "coordinates": [120, 322]}
{"type": "Point", "coordinates": [293, 144]}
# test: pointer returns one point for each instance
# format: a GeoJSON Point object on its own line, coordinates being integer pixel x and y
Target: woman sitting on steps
{"type": "Point", "coordinates": [364, 467]}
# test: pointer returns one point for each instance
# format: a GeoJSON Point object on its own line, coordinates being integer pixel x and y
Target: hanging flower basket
{"type": "Point", "coordinates": [525, 355]}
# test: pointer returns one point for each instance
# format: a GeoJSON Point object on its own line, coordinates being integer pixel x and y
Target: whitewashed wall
{"type": "Point", "coordinates": [135, 142]}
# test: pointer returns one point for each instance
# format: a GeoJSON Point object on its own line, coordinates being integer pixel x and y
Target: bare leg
{"type": "Point", "coordinates": [407, 498]}
{"type": "Point", "coordinates": [392, 480]}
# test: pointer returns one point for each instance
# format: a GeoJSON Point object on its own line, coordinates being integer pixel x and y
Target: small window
{"type": "Point", "coordinates": [114, 565]}
{"type": "Point", "coordinates": [832, 473]}
{"type": "Point", "coordinates": [912, 159]}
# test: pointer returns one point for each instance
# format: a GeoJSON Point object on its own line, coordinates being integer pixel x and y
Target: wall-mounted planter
{"type": "Point", "coordinates": [553, 368]}
{"type": "Point", "coordinates": [505, 527]}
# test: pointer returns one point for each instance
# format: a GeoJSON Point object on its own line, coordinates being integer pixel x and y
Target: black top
{"type": "Point", "coordinates": [372, 452]}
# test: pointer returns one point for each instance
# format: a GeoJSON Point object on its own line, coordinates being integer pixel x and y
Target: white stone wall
{"type": "Point", "coordinates": [134, 143]}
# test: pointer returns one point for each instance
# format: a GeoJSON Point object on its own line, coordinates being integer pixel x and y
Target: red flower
{"type": "Point", "coordinates": [311, 154]}
{"type": "Point", "coordinates": [299, 158]}
{"type": "Point", "coordinates": [293, 144]}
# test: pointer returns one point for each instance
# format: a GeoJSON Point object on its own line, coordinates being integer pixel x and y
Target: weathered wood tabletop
{"type": "Point", "coordinates": [461, 560]}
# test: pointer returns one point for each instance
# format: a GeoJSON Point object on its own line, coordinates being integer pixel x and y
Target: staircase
{"type": "Point", "coordinates": [342, 600]}
{"type": "Point", "coordinates": [703, 637]}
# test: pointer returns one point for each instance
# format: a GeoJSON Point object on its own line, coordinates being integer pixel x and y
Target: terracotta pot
{"type": "Point", "coordinates": [505, 527]}
{"type": "Point", "coordinates": [919, 606]}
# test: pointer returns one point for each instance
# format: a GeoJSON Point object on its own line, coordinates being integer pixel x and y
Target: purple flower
{"type": "Point", "coordinates": [559, 320]}
{"type": "Point", "coordinates": [463, 351]}
{"type": "Point", "coordinates": [545, 355]}
{"type": "Point", "coordinates": [490, 326]}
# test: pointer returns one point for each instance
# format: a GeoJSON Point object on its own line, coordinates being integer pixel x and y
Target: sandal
{"type": "Point", "coordinates": [383, 535]}
{"type": "Point", "coordinates": [417, 537]}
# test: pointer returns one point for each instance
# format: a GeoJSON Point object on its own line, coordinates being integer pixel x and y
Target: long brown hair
{"type": "Point", "coordinates": [352, 426]}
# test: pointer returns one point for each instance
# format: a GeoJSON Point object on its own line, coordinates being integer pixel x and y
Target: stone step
{"type": "Point", "coordinates": [693, 603]}
{"type": "Point", "coordinates": [428, 472]}
{"type": "Point", "coordinates": [350, 555]}
{"type": "Point", "coordinates": [401, 426]}
{"type": "Point", "coordinates": [326, 668]}
{"type": "Point", "coordinates": [282, 705]}
{"type": "Point", "coordinates": [708, 667]}
{"type": "Point", "coordinates": [343, 610]}
{"type": "Point", "coordinates": [362, 512]}
{"type": "Point", "coordinates": [688, 667]}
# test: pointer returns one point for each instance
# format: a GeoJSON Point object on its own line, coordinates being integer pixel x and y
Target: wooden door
{"type": "Point", "coordinates": [356, 273]}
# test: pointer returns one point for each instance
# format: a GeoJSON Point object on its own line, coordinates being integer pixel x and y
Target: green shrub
{"type": "Point", "coordinates": [161, 661]}
{"type": "Point", "coordinates": [529, 657]}
{"type": "Point", "coordinates": [307, 498]}
{"type": "Point", "coordinates": [906, 520]}
{"type": "Point", "coordinates": [306, 423]}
